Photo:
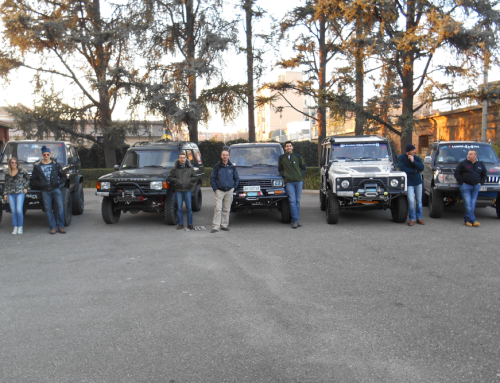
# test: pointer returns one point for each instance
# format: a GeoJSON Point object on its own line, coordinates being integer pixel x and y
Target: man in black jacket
{"type": "Point", "coordinates": [48, 177]}
{"type": "Point", "coordinates": [224, 180]}
{"type": "Point", "coordinates": [183, 177]}
{"type": "Point", "coordinates": [470, 174]}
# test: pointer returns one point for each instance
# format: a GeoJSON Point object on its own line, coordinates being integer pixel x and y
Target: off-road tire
{"type": "Point", "coordinates": [109, 215]}
{"type": "Point", "coordinates": [66, 199]}
{"type": "Point", "coordinates": [286, 213]}
{"type": "Point", "coordinates": [1, 213]}
{"type": "Point", "coordinates": [436, 204]}
{"type": "Point", "coordinates": [78, 200]}
{"type": "Point", "coordinates": [332, 208]}
{"type": "Point", "coordinates": [197, 199]}
{"type": "Point", "coordinates": [399, 209]}
{"type": "Point", "coordinates": [169, 210]}
{"type": "Point", "coordinates": [322, 200]}
{"type": "Point", "coordinates": [425, 199]}
{"type": "Point", "coordinates": [497, 203]}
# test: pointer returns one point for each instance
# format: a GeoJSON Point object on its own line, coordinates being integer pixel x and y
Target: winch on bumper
{"type": "Point", "coordinates": [130, 195]}
{"type": "Point", "coordinates": [370, 190]}
{"type": "Point", "coordinates": [258, 198]}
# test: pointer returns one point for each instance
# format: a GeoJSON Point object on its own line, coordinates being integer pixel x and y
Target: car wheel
{"type": "Point", "coordinates": [332, 208]}
{"type": "Point", "coordinates": [399, 209]}
{"type": "Point", "coordinates": [322, 200]}
{"type": "Point", "coordinates": [197, 199]}
{"type": "Point", "coordinates": [425, 199]}
{"type": "Point", "coordinates": [169, 209]}
{"type": "Point", "coordinates": [497, 203]}
{"type": "Point", "coordinates": [109, 214]}
{"type": "Point", "coordinates": [436, 204]}
{"type": "Point", "coordinates": [78, 200]}
{"type": "Point", "coordinates": [66, 197]}
{"type": "Point", "coordinates": [1, 213]}
{"type": "Point", "coordinates": [286, 213]}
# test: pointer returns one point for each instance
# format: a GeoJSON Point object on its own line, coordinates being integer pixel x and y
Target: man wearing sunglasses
{"type": "Point", "coordinates": [48, 177]}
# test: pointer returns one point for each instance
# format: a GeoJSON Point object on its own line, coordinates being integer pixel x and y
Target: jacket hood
{"type": "Point", "coordinates": [177, 164]}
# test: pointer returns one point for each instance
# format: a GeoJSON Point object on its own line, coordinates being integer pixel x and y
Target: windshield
{"type": "Point", "coordinates": [149, 158]}
{"type": "Point", "coordinates": [29, 153]}
{"type": "Point", "coordinates": [458, 153]}
{"type": "Point", "coordinates": [255, 156]}
{"type": "Point", "coordinates": [371, 151]}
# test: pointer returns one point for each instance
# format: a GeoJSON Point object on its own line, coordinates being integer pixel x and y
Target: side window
{"type": "Point", "coordinates": [328, 152]}
{"type": "Point", "coordinates": [197, 154]}
{"type": "Point", "coordinates": [74, 154]}
{"type": "Point", "coordinates": [190, 156]}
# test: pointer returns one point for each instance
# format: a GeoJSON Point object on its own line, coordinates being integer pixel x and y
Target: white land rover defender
{"type": "Point", "coordinates": [358, 172]}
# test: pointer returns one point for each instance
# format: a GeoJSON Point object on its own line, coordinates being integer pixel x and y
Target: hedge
{"type": "Point", "coordinates": [90, 177]}
{"type": "Point", "coordinates": [93, 157]}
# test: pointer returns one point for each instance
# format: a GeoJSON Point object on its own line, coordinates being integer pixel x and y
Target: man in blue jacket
{"type": "Point", "coordinates": [224, 180]}
{"type": "Point", "coordinates": [470, 174]}
{"type": "Point", "coordinates": [412, 165]}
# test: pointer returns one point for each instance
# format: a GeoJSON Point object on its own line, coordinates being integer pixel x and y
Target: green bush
{"type": "Point", "coordinates": [90, 176]}
{"type": "Point", "coordinates": [93, 157]}
{"type": "Point", "coordinates": [307, 149]}
{"type": "Point", "coordinates": [497, 149]}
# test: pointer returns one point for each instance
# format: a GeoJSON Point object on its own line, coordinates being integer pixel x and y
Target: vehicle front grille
{"type": "Point", "coordinates": [357, 181]}
{"type": "Point", "coordinates": [493, 180]}
{"type": "Point", "coordinates": [129, 186]}
{"type": "Point", "coordinates": [264, 184]}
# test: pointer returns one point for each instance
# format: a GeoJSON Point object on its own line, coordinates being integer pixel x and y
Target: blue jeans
{"type": "Point", "coordinates": [469, 195]}
{"type": "Point", "coordinates": [294, 192]}
{"type": "Point", "coordinates": [47, 197]}
{"type": "Point", "coordinates": [16, 202]}
{"type": "Point", "coordinates": [414, 193]}
{"type": "Point", "coordinates": [184, 197]}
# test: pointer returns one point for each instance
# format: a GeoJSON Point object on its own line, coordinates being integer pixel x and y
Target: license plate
{"type": "Point", "coordinates": [32, 196]}
{"type": "Point", "coordinates": [251, 188]}
{"type": "Point", "coordinates": [483, 188]}
{"type": "Point", "coordinates": [345, 193]}
{"type": "Point", "coordinates": [252, 194]}
{"type": "Point", "coordinates": [102, 194]}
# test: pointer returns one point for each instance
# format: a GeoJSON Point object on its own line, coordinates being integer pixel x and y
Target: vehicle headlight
{"type": "Point", "coordinates": [394, 183]}
{"type": "Point", "coordinates": [156, 185]}
{"type": "Point", "coordinates": [105, 185]}
{"type": "Point", "coordinates": [278, 183]}
{"type": "Point", "coordinates": [446, 178]}
{"type": "Point", "coordinates": [345, 184]}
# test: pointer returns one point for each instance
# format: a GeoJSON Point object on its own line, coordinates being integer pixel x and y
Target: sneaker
{"type": "Point", "coordinates": [62, 230]}
{"type": "Point", "coordinates": [190, 227]}
{"type": "Point", "coordinates": [53, 231]}
{"type": "Point", "coordinates": [214, 231]}
{"type": "Point", "coordinates": [180, 227]}
{"type": "Point", "coordinates": [294, 224]}
{"type": "Point", "coordinates": [20, 230]}
{"type": "Point", "coordinates": [14, 231]}
{"type": "Point", "coordinates": [225, 228]}
{"type": "Point", "coordinates": [475, 224]}
{"type": "Point", "coordinates": [468, 224]}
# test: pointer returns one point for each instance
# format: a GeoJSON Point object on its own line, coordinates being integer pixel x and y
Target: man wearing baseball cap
{"type": "Point", "coordinates": [412, 165]}
{"type": "Point", "coordinates": [48, 177]}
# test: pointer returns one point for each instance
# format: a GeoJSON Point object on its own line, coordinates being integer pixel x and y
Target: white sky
{"type": "Point", "coordinates": [20, 90]}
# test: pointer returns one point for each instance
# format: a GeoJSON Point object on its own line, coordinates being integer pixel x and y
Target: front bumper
{"type": "Point", "coordinates": [32, 201]}
{"type": "Point", "coordinates": [489, 190]}
{"type": "Point", "coordinates": [264, 199]}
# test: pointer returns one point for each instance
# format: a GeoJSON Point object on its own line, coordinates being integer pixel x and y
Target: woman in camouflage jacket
{"type": "Point", "coordinates": [16, 186]}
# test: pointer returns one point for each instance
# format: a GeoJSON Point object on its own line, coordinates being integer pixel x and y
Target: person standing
{"type": "Point", "coordinates": [183, 177]}
{"type": "Point", "coordinates": [16, 187]}
{"type": "Point", "coordinates": [48, 177]}
{"type": "Point", "coordinates": [223, 179]}
{"type": "Point", "coordinates": [412, 165]}
{"type": "Point", "coordinates": [470, 174]}
{"type": "Point", "coordinates": [292, 167]}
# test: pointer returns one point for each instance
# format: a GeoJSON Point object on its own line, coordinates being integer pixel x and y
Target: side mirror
{"type": "Point", "coordinates": [322, 161]}
{"type": "Point", "coordinates": [428, 160]}
{"type": "Point", "coordinates": [116, 167]}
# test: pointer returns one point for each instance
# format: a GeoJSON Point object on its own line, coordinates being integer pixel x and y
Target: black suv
{"type": "Point", "coordinates": [140, 183]}
{"type": "Point", "coordinates": [261, 186]}
{"type": "Point", "coordinates": [28, 152]}
{"type": "Point", "coordinates": [440, 186]}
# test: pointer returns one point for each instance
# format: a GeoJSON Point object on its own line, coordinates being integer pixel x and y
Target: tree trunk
{"type": "Point", "coordinates": [251, 99]}
{"type": "Point", "coordinates": [193, 98]}
{"type": "Point", "coordinates": [408, 58]}
{"type": "Point", "coordinates": [322, 86]}
{"type": "Point", "coordinates": [360, 75]}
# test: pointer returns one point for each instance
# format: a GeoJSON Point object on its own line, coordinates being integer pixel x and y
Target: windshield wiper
{"type": "Point", "coordinates": [367, 158]}
{"type": "Point", "coordinates": [153, 166]}
{"type": "Point", "coordinates": [265, 165]}
{"type": "Point", "coordinates": [243, 166]}
{"type": "Point", "coordinates": [342, 158]}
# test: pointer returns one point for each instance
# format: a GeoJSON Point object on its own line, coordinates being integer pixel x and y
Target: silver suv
{"type": "Point", "coordinates": [358, 172]}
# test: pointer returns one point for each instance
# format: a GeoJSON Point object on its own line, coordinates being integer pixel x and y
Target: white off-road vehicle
{"type": "Point", "coordinates": [358, 172]}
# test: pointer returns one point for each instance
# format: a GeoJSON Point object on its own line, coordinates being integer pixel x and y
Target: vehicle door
{"type": "Point", "coordinates": [198, 165]}
{"type": "Point", "coordinates": [325, 153]}
{"type": "Point", "coordinates": [428, 172]}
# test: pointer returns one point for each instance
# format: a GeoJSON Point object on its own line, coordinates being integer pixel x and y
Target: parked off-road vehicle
{"type": "Point", "coordinates": [29, 152]}
{"type": "Point", "coordinates": [441, 189]}
{"type": "Point", "coordinates": [358, 172]}
{"type": "Point", "coordinates": [140, 182]}
{"type": "Point", "coordinates": [261, 185]}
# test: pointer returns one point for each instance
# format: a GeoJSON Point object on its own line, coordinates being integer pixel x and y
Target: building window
{"type": "Point", "coordinates": [424, 143]}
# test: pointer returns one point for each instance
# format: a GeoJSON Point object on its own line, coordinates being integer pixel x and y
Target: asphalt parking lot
{"type": "Point", "coordinates": [366, 300]}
